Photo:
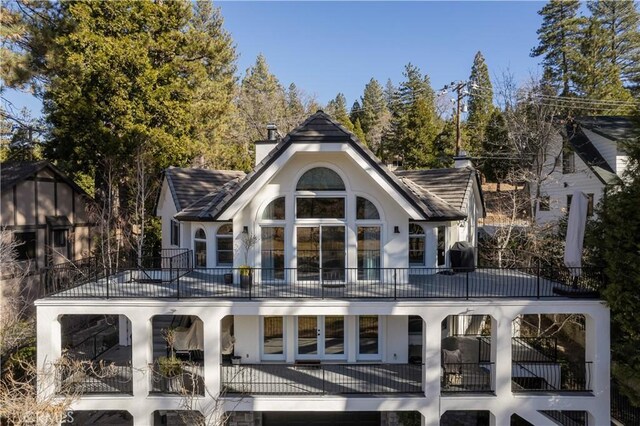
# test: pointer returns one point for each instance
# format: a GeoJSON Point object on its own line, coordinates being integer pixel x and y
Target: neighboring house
{"type": "Point", "coordinates": [350, 302]}
{"type": "Point", "coordinates": [46, 213]}
{"type": "Point", "coordinates": [586, 157]}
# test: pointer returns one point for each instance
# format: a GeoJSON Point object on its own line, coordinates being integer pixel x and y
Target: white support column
{"type": "Point", "coordinates": [501, 355]}
{"type": "Point", "coordinates": [212, 354]}
{"type": "Point", "coordinates": [351, 330]}
{"type": "Point", "coordinates": [141, 347]}
{"type": "Point", "coordinates": [431, 359]}
{"type": "Point", "coordinates": [124, 331]}
{"type": "Point", "coordinates": [289, 338]}
{"type": "Point", "coordinates": [597, 343]}
{"type": "Point", "coordinates": [49, 348]}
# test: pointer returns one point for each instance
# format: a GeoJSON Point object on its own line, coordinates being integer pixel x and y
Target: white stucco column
{"type": "Point", "coordinates": [49, 348]}
{"type": "Point", "coordinates": [212, 350]}
{"type": "Point", "coordinates": [597, 344]}
{"type": "Point", "coordinates": [124, 332]}
{"type": "Point", "coordinates": [351, 330]}
{"type": "Point", "coordinates": [501, 354]}
{"type": "Point", "coordinates": [431, 360]}
{"type": "Point", "coordinates": [141, 346]}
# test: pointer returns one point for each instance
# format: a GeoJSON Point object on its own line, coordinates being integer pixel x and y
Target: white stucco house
{"type": "Point", "coordinates": [357, 304]}
{"type": "Point", "coordinates": [586, 156]}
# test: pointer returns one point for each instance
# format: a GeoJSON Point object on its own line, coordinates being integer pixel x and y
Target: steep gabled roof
{"type": "Point", "coordinates": [188, 185]}
{"type": "Point", "coordinates": [450, 185]}
{"type": "Point", "coordinates": [12, 173]}
{"type": "Point", "coordinates": [320, 128]}
{"type": "Point", "coordinates": [588, 153]}
{"type": "Point", "coordinates": [612, 127]}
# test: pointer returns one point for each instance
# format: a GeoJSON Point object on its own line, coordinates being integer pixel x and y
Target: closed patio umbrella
{"type": "Point", "coordinates": [575, 232]}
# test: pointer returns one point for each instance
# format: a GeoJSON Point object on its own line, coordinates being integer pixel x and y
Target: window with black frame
{"type": "Point", "coordinates": [224, 245]}
{"type": "Point", "coordinates": [200, 248]}
{"type": "Point", "coordinates": [26, 245]}
{"type": "Point", "coordinates": [416, 244]}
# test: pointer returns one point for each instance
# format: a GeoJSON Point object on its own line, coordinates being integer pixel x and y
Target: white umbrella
{"type": "Point", "coordinates": [575, 232]}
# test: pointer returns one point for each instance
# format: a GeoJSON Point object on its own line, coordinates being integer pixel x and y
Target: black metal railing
{"type": "Point", "coordinates": [467, 377]}
{"type": "Point", "coordinates": [534, 349]}
{"type": "Point", "coordinates": [69, 276]}
{"type": "Point", "coordinates": [622, 409]}
{"type": "Point", "coordinates": [330, 283]}
{"type": "Point", "coordinates": [94, 345]}
{"type": "Point", "coordinates": [189, 380]}
{"type": "Point", "coordinates": [81, 378]}
{"type": "Point", "coordinates": [551, 377]}
{"type": "Point", "coordinates": [321, 379]}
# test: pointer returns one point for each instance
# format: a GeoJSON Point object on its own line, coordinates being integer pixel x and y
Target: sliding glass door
{"type": "Point", "coordinates": [321, 253]}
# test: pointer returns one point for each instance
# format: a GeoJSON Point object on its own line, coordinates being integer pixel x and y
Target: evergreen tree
{"type": "Point", "coordinates": [619, 227]}
{"type": "Point", "coordinates": [375, 114]}
{"type": "Point", "coordinates": [496, 165]}
{"type": "Point", "coordinates": [444, 145]}
{"type": "Point", "coordinates": [261, 100]}
{"type": "Point", "coordinates": [480, 104]}
{"type": "Point", "coordinates": [357, 130]}
{"type": "Point", "coordinates": [356, 112]}
{"type": "Point", "coordinates": [389, 92]}
{"type": "Point", "coordinates": [620, 23]}
{"type": "Point", "coordinates": [414, 122]}
{"type": "Point", "coordinates": [337, 108]}
{"type": "Point", "coordinates": [559, 38]}
{"type": "Point", "coordinates": [598, 77]}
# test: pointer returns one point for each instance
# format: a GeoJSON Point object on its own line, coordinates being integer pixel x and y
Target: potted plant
{"type": "Point", "coordinates": [247, 241]}
{"type": "Point", "coordinates": [170, 367]}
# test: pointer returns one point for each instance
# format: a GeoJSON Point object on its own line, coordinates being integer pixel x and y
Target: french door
{"type": "Point", "coordinates": [321, 253]}
{"type": "Point", "coordinates": [320, 337]}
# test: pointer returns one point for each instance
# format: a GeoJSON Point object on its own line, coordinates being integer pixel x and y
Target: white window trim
{"type": "Point", "coordinates": [274, 357]}
{"type": "Point", "coordinates": [206, 247]}
{"type": "Point", "coordinates": [224, 265]}
{"type": "Point", "coordinates": [381, 340]}
{"type": "Point", "coordinates": [320, 355]}
{"type": "Point", "coordinates": [424, 254]}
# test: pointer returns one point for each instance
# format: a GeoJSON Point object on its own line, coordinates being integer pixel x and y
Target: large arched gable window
{"type": "Point", "coordinates": [320, 179]}
{"type": "Point", "coordinates": [224, 241]}
{"type": "Point", "coordinates": [200, 248]}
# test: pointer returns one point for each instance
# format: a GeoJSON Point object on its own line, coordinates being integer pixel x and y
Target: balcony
{"type": "Point", "coordinates": [321, 379]}
{"type": "Point", "coordinates": [173, 277]}
{"type": "Point", "coordinates": [93, 377]}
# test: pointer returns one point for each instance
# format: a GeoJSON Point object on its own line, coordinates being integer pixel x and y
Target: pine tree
{"type": "Point", "coordinates": [620, 23]}
{"type": "Point", "coordinates": [598, 77]}
{"type": "Point", "coordinates": [375, 114]}
{"type": "Point", "coordinates": [480, 104]}
{"type": "Point", "coordinates": [356, 112]}
{"type": "Point", "coordinates": [559, 38]}
{"type": "Point", "coordinates": [261, 101]}
{"type": "Point", "coordinates": [496, 165]}
{"type": "Point", "coordinates": [357, 130]}
{"type": "Point", "coordinates": [337, 108]}
{"type": "Point", "coordinates": [414, 122]}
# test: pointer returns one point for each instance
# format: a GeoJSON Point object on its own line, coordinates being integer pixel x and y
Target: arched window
{"type": "Point", "coordinates": [200, 248]}
{"type": "Point", "coordinates": [416, 244]}
{"type": "Point", "coordinates": [224, 241]}
{"type": "Point", "coordinates": [365, 209]}
{"type": "Point", "coordinates": [275, 210]}
{"type": "Point", "coordinates": [320, 179]}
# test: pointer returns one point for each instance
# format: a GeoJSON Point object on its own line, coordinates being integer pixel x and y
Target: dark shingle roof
{"type": "Point", "coordinates": [321, 128]}
{"type": "Point", "coordinates": [188, 185]}
{"type": "Point", "coordinates": [582, 145]}
{"type": "Point", "coordinates": [611, 127]}
{"type": "Point", "coordinates": [450, 185]}
{"type": "Point", "coordinates": [12, 173]}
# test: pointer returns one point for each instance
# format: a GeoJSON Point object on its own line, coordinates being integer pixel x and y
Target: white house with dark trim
{"type": "Point", "coordinates": [324, 288]}
{"type": "Point", "coordinates": [586, 156]}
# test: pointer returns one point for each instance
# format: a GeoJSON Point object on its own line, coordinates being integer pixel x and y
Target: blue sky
{"type": "Point", "coordinates": [331, 47]}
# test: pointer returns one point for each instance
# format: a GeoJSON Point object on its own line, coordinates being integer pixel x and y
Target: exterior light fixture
{"type": "Point", "coordinates": [396, 229]}
{"type": "Point", "coordinates": [245, 229]}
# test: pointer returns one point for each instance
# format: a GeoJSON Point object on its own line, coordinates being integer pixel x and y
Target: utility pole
{"type": "Point", "coordinates": [460, 94]}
